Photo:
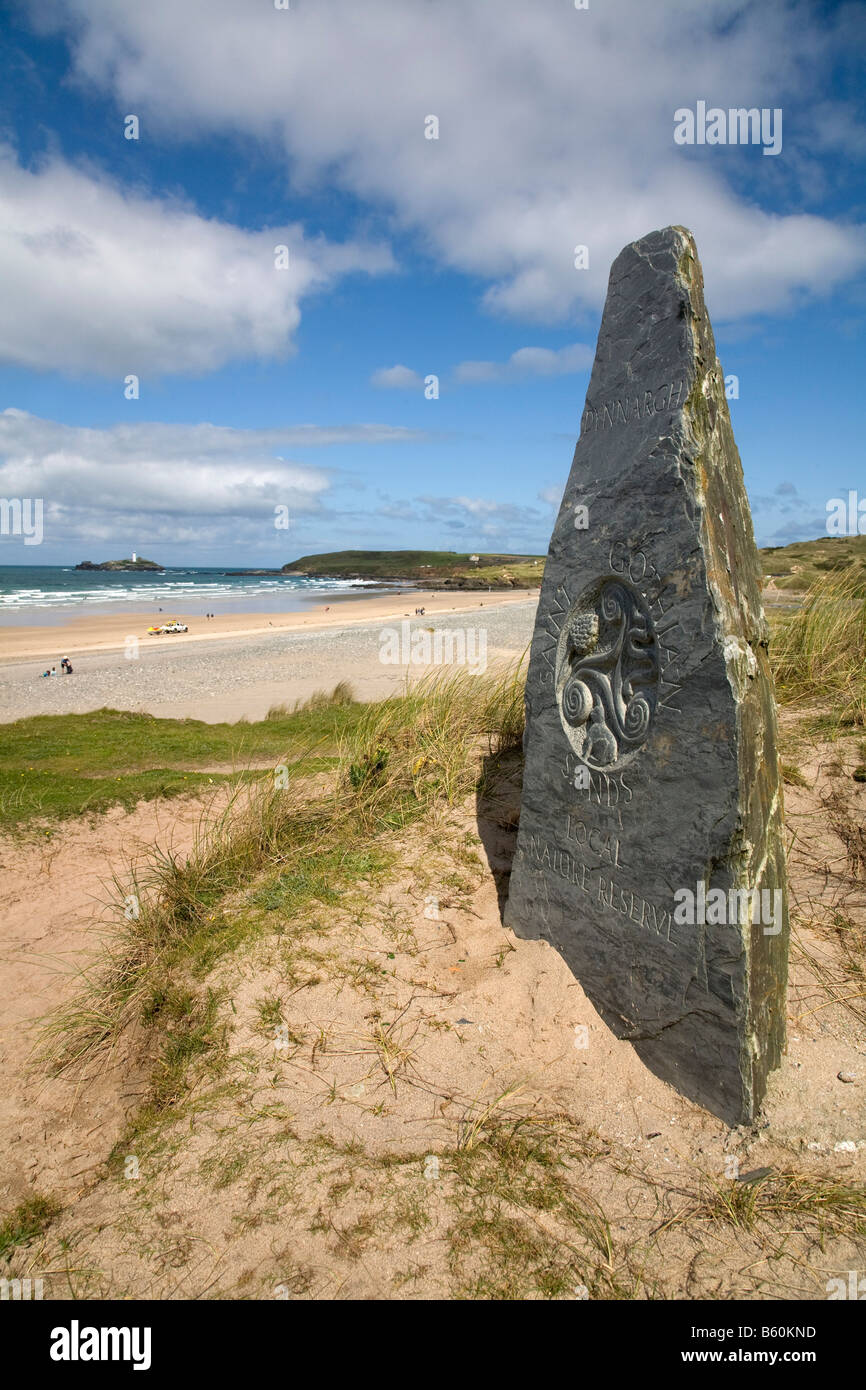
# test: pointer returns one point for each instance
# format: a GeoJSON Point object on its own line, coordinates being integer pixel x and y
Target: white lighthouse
{"type": "Point", "coordinates": [134, 557]}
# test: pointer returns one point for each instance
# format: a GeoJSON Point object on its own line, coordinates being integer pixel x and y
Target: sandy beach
{"type": "Point", "coordinates": [238, 665]}
{"type": "Point", "coordinates": [107, 632]}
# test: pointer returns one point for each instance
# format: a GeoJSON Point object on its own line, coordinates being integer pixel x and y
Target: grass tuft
{"type": "Point", "coordinates": [29, 1220]}
{"type": "Point", "coordinates": [816, 1204]}
{"type": "Point", "coordinates": [819, 651]}
{"type": "Point", "coordinates": [343, 694]}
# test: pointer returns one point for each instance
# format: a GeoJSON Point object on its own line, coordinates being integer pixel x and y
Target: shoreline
{"type": "Point", "coordinates": [107, 633]}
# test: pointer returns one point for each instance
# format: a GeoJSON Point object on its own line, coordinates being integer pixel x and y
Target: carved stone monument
{"type": "Point", "coordinates": [650, 852]}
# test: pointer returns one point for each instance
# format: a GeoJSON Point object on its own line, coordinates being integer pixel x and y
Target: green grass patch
{"type": "Point", "coordinates": [322, 879]}
{"type": "Point", "coordinates": [55, 766]}
{"type": "Point", "coordinates": [37, 795]}
{"type": "Point", "coordinates": [25, 1223]}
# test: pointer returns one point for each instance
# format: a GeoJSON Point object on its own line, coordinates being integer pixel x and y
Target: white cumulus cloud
{"type": "Point", "coordinates": [94, 278]}
{"type": "Point", "coordinates": [555, 126]}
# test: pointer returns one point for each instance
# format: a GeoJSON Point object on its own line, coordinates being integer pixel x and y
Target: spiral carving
{"type": "Point", "coordinates": [637, 717]}
{"type": "Point", "coordinates": [607, 673]}
{"type": "Point", "coordinates": [576, 701]}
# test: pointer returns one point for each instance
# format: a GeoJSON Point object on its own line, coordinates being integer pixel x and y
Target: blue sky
{"type": "Point", "coordinates": [304, 387]}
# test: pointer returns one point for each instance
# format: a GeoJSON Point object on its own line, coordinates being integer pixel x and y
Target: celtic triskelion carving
{"type": "Point", "coordinates": [607, 672]}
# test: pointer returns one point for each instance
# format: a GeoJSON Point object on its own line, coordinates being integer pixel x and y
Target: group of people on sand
{"type": "Point", "coordinates": [419, 612]}
{"type": "Point", "coordinates": [65, 669]}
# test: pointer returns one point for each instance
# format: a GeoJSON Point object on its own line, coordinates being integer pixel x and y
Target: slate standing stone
{"type": "Point", "coordinates": [650, 745]}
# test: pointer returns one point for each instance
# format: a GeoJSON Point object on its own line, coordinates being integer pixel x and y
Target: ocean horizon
{"type": "Point", "coordinates": [48, 593]}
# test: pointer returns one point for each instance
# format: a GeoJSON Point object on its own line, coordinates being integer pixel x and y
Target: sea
{"type": "Point", "coordinates": [36, 594]}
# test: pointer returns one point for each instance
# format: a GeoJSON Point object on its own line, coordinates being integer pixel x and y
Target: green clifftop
{"type": "Point", "coordinates": [436, 568]}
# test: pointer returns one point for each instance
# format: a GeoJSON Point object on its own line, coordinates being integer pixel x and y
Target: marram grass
{"type": "Point", "coordinates": [819, 650]}
{"type": "Point", "coordinates": [397, 760]}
